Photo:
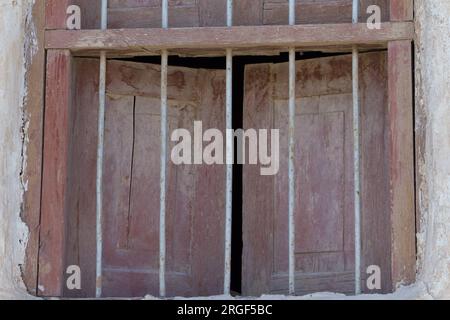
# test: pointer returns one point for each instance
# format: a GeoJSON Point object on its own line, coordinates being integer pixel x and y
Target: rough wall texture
{"type": "Point", "coordinates": [13, 233]}
{"type": "Point", "coordinates": [433, 124]}
{"type": "Point", "coordinates": [433, 127]}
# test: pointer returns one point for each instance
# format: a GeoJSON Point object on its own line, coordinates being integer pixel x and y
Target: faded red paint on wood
{"type": "Point", "coordinates": [56, 13]}
{"type": "Point", "coordinates": [323, 266]}
{"type": "Point", "coordinates": [244, 37]}
{"type": "Point", "coordinates": [376, 230]}
{"type": "Point", "coordinates": [195, 205]}
{"type": "Point", "coordinates": [324, 162]}
{"type": "Point", "coordinates": [402, 10]}
{"type": "Point", "coordinates": [34, 114]}
{"type": "Point", "coordinates": [276, 12]}
{"type": "Point", "coordinates": [401, 141]}
{"type": "Point", "coordinates": [209, 203]}
{"type": "Point", "coordinates": [258, 191]}
{"type": "Point", "coordinates": [203, 13]}
{"type": "Point", "coordinates": [147, 14]}
{"type": "Point", "coordinates": [81, 220]}
{"type": "Point", "coordinates": [55, 172]}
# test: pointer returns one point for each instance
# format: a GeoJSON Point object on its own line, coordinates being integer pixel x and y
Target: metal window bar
{"type": "Point", "coordinates": [163, 158]}
{"type": "Point", "coordinates": [292, 110]}
{"type": "Point", "coordinates": [100, 147]}
{"type": "Point", "coordinates": [356, 154]}
{"type": "Point", "coordinates": [229, 157]}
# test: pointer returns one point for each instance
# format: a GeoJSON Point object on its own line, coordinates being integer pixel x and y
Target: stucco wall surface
{"type": "Point", "coordinates": [433, 123]}
{"type": "Point", "coordinates": [13, 233]}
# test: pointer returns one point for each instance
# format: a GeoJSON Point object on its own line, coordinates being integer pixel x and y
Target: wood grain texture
{"type": "Point", "coordinates": [56, 13]}
{"type": "Point", "coordinates": [90, 13]}
{"type": "Point", "coordinates": [183, 13]}
{"type": "Point", "coordinates": [34, 113]}
{"type": "Point", "coordinates": [324, 216]}
{"type": "Point", "coordinates": [209, 202]}
{"type": "Point", "coordinates": [235, 37]}
{"type": "Point", "coordinates": [195, 219]}
{"type": "Point", "coordinates": [401, 163]}
{"type": "Point", "coordinates": [258, 191]}
{"type": "Point", "coordinates": [323, 209]}
{"type": "Point", "coordinates": [147, 14]}
{"type": "Point", "coordinates": [55, 172]}
{"type": "Point", "coordinates": [402, 10]}
{"type": "Point", "coordinates": [81, 220]}
{"type": "Point", "coordinates": [276, 12]}
{"type": "Point", "coordinates": [375, 167]}
{"type": "Point", "coordinates": [207, 13]}
{"type": "Point", "coordinates": [316, 282]}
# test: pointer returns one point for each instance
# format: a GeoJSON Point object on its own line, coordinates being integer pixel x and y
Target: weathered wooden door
{"type": "Point", "coordinates": [324, 215]}
{"type": "Point", "coordinates": [195, 201]}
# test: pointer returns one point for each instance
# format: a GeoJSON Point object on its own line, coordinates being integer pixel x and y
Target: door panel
{"type": "Point", "coordinates": [324, 217]}
{"type": "Point", "coordinates": [134, 226]}
{"type": "Point", "coordinates": [195, 209]}
{"type": "Point", "coordinates": [323, 156]}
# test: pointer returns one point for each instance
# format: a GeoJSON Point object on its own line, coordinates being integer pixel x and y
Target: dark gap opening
{"type": "Point", "coordinates": [130, 195]}
{"type": "Point", "coordinates": [236, 235]}
{"type": "Point", "coordinates": [239, 64]}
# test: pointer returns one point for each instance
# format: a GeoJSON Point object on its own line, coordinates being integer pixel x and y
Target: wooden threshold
{"type": "Point", "coordinates": [190, 40]}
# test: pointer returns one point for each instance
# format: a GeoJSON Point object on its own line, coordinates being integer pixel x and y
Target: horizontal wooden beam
{"type": "Point", "coordinates": [234, 37]}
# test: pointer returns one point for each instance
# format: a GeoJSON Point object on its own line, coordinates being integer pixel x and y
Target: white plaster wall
{"type": "Point", "coordinates": [433, 105]}
{"type": "Point", "coordinates": [13, 233]}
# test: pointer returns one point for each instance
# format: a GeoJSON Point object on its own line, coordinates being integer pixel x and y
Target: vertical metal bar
{"type": "Point", "coordinates": [292, 12]}
{"type": "Point", "coordinates": [104, 13]}
{"type": "Point", "coordinates": [163, 160]}
{"type": "Point", "coordinates": [165, 14]}
{"type": "Point", "coordinates": [100, 147]}
{"type": "Point", "coordinates": [356, 155]}
{"type": "Point", "coordinates": [229, 156]}
{"type": "Point", "coordinates": [292, 108]}
{"type": "Point", "coordinates": [229, 13]}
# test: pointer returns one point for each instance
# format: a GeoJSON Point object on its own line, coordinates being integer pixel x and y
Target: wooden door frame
{"type": "Point", "coordinates": [46, 152]}
{"type": "Point", "coordinates": [32, 175]}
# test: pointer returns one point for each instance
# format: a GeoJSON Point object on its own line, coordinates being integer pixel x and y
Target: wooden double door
{"type": "Point", "coordinates": [196, 193]}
